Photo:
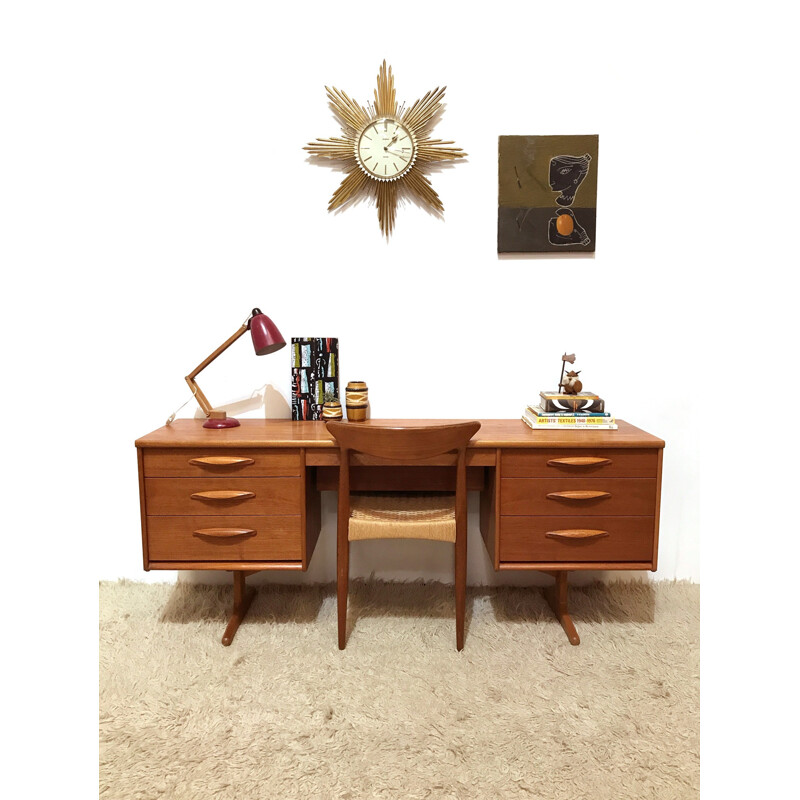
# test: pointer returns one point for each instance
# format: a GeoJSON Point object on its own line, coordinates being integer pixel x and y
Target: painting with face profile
{"type": "Point", "coordinates": [547, 194]}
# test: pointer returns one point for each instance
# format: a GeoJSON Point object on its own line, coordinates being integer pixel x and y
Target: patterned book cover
{"type": "Point", "coordinates": [315, 373]}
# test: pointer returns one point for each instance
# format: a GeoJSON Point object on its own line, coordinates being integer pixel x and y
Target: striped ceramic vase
{"type": "Point", "coordinates": [357, 401]}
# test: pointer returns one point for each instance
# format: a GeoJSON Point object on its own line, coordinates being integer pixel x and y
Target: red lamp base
{"type": "Point", "coordinates": [228, 422]}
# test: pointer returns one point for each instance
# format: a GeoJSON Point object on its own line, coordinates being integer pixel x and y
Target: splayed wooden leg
{"type": "Point", "coordinates": [557, 598]}
{"type": "Point", "coordinates": [242, 597]}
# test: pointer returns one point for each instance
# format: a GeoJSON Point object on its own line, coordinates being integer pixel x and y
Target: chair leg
{"type": "Point", "coordinates": [461, 589]}
{"type": "Point", "coordinates": [342, 585]}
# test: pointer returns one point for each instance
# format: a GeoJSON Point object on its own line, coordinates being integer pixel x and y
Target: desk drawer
{"type": "Point", "coordinates": [578, 462]}
{"type": "Point", "coordinates": [188, 463]}
{"type": "Point", "coordinates": [271, 496]}
{"type": "Point", "coordinates": [584, 496]}
{"type": "Point", "coordinates": [626, 539]}
{"type": "Point", "coordinates": [231, 538]}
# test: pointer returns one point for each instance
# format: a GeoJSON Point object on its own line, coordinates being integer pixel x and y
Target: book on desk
{"type": "Point", "coordinates": [537, 418]}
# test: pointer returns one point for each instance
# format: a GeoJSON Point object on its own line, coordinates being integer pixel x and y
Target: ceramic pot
{"type": "Point", "coordinates": [332, 410]}
{"type": "Point", "coordinates": [356, 397]}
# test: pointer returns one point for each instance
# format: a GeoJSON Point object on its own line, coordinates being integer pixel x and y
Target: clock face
{"type": "Point", "coordinates": [386, 149]}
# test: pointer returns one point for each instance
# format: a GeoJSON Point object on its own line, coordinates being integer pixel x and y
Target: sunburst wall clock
{"type": "Point", "coordinates": [385, 149]}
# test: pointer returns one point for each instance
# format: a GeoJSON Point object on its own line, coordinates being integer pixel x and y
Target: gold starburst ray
{"type": "Point", "coordinates": [419, 185]}
{"type": "Point", "coordinates": [437, 150]}
{"type": "Point", "coordinates": [387, 160]}
{"type": "Point", "coordinates": [387, 206]}
{"type": "Point", "coordinates": [355, 181]}
{"type": "Point", "coordinates": [419, 116]}
{"type": "Point", "coordinates": [385, 99]}
{"type": "Point", "coordinates": [347, 110]}
{"type": "Point", "coordinates": [341, 149]}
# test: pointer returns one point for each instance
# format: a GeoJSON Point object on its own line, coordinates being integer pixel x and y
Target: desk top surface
{"type": "Point", "coordinates": [287, 433]}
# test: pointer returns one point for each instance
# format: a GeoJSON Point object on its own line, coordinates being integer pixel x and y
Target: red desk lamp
{"type": "Point", "coordinates": [266, 339]}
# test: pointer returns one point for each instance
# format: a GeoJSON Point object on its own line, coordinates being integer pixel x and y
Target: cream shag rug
{"type": "Point", "coordinates": [282, 713]}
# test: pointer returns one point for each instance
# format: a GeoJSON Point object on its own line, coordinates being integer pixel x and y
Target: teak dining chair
{"type": "Point", "coordinates": [406, 515]}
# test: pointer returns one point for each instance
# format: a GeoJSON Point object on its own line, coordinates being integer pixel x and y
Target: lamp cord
{"type": "Point", "coordinates": [175, 412]}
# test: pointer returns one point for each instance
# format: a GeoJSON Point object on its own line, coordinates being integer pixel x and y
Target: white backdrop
{"type": "Point", "coordinates": [193, 201]}
{"type": "Point", "coordinates": [153, 189]}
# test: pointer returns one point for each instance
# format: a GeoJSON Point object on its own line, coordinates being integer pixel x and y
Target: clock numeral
{"type": "Point", "coordinates": [394, 165]}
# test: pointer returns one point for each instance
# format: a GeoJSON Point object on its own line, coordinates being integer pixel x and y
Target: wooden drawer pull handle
{"type": "Point", "coordinates": [578, 461]}
{"type": "Point", "coordinates": [578, 495]}
{"type": "Point", "coordinates": [224, 494]}
{"type": "Point", "coordinates": [576, 533]}
{"type": "Point", "coordinates": [221, 461]}
{"type": "Point", "coordinates": [224, 533]}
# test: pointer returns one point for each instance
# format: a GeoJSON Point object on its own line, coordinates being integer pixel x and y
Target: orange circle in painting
{"type": "Point", "coordinates": [564, 225]}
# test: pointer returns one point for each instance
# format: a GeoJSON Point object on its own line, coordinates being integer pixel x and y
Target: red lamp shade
{"type": "Point", "coordinates": [266, 336]}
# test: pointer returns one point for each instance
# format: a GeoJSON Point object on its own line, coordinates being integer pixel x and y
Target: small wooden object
{"type": "Point", "coordinates": [570, 383]}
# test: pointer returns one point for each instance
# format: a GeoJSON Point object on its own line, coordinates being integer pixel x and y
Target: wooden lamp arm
{"type": "Point", "coordinates": [190, 378]}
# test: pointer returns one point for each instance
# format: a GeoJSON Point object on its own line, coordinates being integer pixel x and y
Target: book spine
{"type": "Point", "coordinates": [540, 413]}
{"type": "Point", "coordinates": [571, 421]}
{"type": "Point", "coordinates": [571, 424]}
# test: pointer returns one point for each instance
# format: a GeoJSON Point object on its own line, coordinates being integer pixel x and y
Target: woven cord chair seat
{"type": "Point", "coordinates": [403, 516]}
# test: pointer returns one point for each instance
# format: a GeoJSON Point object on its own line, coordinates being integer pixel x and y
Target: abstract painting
{"type": "Point", "coordinates": [315, 373]}
{"type": "Point", "coordinates": [547, 194]}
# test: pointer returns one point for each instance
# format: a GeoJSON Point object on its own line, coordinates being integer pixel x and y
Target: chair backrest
{"type": "Point", "coordinates": [403, 444]}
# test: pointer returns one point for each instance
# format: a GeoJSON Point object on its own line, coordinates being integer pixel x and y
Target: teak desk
{"type": "Point", "coordinates": [247, 499]}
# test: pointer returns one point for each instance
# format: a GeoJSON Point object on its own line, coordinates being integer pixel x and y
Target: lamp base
{"type": "Point", "coordinates": [227, 422]}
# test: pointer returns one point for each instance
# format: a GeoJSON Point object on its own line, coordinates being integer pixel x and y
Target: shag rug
{"type": "Point", "coordinates": [282, 713]}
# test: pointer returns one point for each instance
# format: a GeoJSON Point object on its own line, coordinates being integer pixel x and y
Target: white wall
{"type": "Point", "coordinates": [185, 193]}
{"type": "Point", "coordinates": [150, 149]}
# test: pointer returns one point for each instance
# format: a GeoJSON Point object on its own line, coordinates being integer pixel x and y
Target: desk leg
{"type": "Point", "coordinates": [557, 598]}
{"type": "Point", "coordinates": [242, 597]}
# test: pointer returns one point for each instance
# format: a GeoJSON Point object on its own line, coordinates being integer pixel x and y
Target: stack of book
{"type": "Point", "coordinates": [537, 418]}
